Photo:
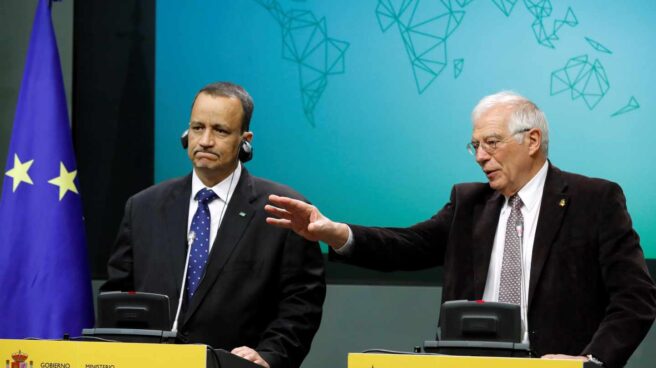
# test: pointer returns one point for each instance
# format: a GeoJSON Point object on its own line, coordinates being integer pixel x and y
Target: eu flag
{"type": "Point", "coordinates": [45, 285]}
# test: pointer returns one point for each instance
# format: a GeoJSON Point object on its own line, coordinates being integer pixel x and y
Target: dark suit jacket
{"type": "Point", "coordinates": [263, 287]}
{"type": "Point", "coordinates": [589, 290]}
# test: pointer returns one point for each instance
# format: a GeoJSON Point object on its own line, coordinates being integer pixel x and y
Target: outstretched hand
{"type": "Point", "coordinates": [305, 220]}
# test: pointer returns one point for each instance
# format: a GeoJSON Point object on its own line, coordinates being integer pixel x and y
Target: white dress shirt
{"type": "Point", "coordinates": [223, 190]}
{"type": "Point", "coordinates": [531, 196]}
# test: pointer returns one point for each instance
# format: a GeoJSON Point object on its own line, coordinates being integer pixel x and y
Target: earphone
{"type": "Point", "coordinates": [245, 148]}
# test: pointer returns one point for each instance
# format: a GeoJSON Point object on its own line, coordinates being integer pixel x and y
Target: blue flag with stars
{"type": "Point", "coordinates": [46, 285]}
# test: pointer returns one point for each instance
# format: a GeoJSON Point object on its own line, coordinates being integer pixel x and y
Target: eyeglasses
{"type": "Point", "coordinates": [490, 144]}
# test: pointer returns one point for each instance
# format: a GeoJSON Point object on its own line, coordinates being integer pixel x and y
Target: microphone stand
{"type": "Point", "coordinates": [190, 240]}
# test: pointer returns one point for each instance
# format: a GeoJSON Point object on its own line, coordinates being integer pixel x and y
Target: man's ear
{"type": "Point", "coordinates": [534, 137]}
{"type": "Point", "coordinates": [247, 136]}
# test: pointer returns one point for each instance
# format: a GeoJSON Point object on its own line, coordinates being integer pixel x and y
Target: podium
{"type": "Point", "coordinates": [367, 360]}
{"type": "Point", "coordinates": [91, 354]}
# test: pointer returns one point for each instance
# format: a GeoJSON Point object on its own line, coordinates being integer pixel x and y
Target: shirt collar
{"type": "Point", "coordinates": [531, 192]}
{"type": "Point", "coordinates": [221, 189]}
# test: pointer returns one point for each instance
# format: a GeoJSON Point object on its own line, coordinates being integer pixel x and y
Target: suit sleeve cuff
{"type": "Point", "coordinates": [274, 360]}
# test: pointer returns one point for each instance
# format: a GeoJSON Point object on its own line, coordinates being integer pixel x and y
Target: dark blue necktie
{"type": "Point", "coordinates": [200, 248]}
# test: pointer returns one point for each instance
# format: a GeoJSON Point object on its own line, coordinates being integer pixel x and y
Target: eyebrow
{"type": "Point", "coordinates": [493, 135]}
{"type": "Point", "coordinates": [212, 125]}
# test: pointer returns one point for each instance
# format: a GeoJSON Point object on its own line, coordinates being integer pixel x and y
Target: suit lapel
{"type": "Point", "coordinates": [236, 219]}
{"type": "Point", "coordinates": [486, 220]}
{"type": "Point", "coordinates": [175, 211]}
{"type": "Point", "coordinates": [550, 219]}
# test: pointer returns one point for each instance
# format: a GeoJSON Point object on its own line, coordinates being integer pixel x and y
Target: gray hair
{"type": "Point", "coordinates": [525, 114]}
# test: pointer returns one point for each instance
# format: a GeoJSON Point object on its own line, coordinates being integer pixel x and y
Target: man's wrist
{"type": "Point", "coordinates": [342, 234]}
{"type": "Point", "coordinates": [345, 248]}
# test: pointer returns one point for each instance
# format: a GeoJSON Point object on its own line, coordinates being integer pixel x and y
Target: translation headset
{"type": "Point", "coordinates": [245, 148]}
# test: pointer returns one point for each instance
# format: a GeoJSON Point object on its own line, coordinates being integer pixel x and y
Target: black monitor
{"type": "Point", "coordinates": [479, 328]}
{"type": "Point", "coordinates": [480, 321]}
{"type": "Point", "coordinates": [117, 309]}
{"type": "Point", "coordinates": [132, 316]}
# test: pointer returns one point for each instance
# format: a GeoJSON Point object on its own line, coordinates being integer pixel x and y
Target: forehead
{"type": "Point", "coordinates": [492, 122]}
{"type": "Point", "coordinates": [212, 109]}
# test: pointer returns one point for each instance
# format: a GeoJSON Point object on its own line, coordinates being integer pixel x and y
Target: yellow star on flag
{"type": "Point", "coordinates": [64, 181]}
{"type": "Point", "coordinates": [19, 172]}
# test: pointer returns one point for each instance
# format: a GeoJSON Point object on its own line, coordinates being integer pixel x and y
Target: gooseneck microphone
{"type": "Point", "coordinates": [523, 303]}
{"type": "Point", "coordinates": [190, 240]}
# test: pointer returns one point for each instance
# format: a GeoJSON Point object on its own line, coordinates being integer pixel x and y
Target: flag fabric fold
{"type": "Point", "coordinates": [45, 284]}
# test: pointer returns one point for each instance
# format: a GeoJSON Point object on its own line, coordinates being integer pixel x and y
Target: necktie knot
{"type": "Point", "coordinates": [515, 202]}
{"type": "Point", "coordinates": [206, 196]}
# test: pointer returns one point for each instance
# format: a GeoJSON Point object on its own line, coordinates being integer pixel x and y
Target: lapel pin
{"type": "Point", "coordinates": [562, 202]}
{"type": "Point", "coordinates": [242, 214]}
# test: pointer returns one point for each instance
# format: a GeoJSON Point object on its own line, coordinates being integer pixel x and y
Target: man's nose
{"type": "Point", "coordinates": [481, 155]}
{"type": "Point", "coordinates": [206, 139]}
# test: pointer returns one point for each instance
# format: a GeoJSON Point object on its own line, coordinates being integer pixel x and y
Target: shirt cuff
{"type": "Point", "coordinates": [347, 248]}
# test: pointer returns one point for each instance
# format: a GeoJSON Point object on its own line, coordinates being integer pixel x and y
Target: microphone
{"type": "Point", "coordinates": [190, 240]}
{"type": "Point", "coordinates": [523, 304]}
{"type": "Point", "coordinates": [519, 226]}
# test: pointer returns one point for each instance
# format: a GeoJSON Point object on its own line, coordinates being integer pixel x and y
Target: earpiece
{"type": "Point", "coordinates": [245, 151]}
{"type": "Point", "coordinates": [245, 148]}
{"type": "Point", "coordinates": [184, 139]}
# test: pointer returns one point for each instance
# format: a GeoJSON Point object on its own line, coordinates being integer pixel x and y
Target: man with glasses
{"type": "Point", "coordinates": [558, 244]}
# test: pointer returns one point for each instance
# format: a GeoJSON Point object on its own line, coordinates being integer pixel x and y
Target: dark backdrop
{"type": "Point", "coordinates": [113, 118]}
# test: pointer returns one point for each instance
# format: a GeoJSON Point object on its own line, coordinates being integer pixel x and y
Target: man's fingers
{"type": "Point", "coordinates": [245, 353]}
{"type": "Point", "coordinates": [276, 199]}
{"type": "Point", "coordinates": [239, 350]}
{"type": "Point", "coordinates": [564, 357]}
{"type": "Point", "coordinates": [288, 204]}
{"type": "Point", "coordinates": [287, 224]}
{"type": "Point", "coordinates": [302, 218]}
{"type": "Point", "coordinates": [278, 212]}
{"type": "Point", "coordinates": [250, 354]}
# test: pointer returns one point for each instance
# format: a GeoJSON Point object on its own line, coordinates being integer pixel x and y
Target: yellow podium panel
{"type": "Point", "coordinates": [75, 354]}
{"type": "Point", "coordinates": [357, 360]}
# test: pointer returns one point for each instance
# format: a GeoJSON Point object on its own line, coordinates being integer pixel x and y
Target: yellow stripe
{"type": "Point", "coordinates": [356, 360]}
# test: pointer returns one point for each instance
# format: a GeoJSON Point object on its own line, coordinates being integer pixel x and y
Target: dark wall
{"type": "Point", "coordinates": [113, 127]}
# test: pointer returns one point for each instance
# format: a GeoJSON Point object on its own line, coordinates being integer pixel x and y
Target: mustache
{"type": "Point", "coordinates": [200, 150]}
